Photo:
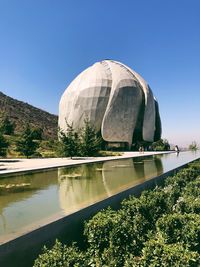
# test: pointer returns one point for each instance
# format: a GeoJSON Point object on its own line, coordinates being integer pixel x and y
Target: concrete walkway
{"type": "Point", "coordinates": [9, 166]}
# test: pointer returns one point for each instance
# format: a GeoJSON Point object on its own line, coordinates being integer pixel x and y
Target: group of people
{"type": "Point", "coordinates": [176, 148]}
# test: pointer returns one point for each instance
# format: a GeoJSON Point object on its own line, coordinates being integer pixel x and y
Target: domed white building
{"type": "Point", "coordinates": [116, 100]}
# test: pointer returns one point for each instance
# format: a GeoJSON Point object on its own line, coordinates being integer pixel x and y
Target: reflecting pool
{"type": "Point", "coordinates": [27, 200]}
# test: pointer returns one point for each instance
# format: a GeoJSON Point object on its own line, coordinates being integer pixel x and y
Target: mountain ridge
{"type": "Point", "coordinates": [22, 113]}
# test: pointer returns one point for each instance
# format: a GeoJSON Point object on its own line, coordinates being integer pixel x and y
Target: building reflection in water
{"type": "Point", "coordinates": [86, 184]}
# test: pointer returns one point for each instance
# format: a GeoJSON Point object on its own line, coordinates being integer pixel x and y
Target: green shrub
{"type": "Point", "coordinates": [134, 207]}
{"type": "Point", "coordinates": [157, 254]}
{"type": "Point", "coordinates": [7, 126]}
{"type": "Point", "coordinates": [3, 145]}
{"type": "Point", "coordinates": [113, 235]}
{"type": "Point", "coordinates": [187, 204]}
{"type": "Point", "coordinates": [184, 176]}
{"type": "Point", "coordinates": [182, 228]}
{"type": "Point", "coordinates": [128, 236]}
{"type": "Point", "coordinates": [156, 204]}
{"type": "Point", "coordinates": [151, 205]}
{"type": "Point", "coordinates": [172, 195]}
{"type": "Point", "coordinates": [97, 230]}
{"type": "Point", "coordinates": [61, 255]}
{"type": "Point", "coordinates": [192, 189]}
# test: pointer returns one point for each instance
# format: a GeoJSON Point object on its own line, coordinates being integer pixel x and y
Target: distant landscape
{"type": "Point", "coordinates": [22, 113]}
{"type": "Point", "coordinates": [19, 116]}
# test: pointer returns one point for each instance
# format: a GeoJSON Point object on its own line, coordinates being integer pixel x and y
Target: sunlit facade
{"type": "Point", "coordinates": [116, 100]}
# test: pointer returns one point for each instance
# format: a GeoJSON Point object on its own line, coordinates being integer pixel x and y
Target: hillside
{"type": "Point", "coordinates": [22, 113]}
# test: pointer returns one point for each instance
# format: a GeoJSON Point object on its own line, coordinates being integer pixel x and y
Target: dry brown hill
{"type": "Point", "coordinates": [22, 113]}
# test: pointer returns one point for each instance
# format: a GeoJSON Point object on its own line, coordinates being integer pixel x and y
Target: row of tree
{"type": "Point", "coordinates": [72, 143]}
{"type": "Point", "coordinates": [84, 142]}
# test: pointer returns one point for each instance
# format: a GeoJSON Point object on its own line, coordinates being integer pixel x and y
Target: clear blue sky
{"type": "Point", "coordinates": [44, 44]}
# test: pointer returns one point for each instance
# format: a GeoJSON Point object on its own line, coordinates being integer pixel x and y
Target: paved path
{"type": "Point", "coordinates": [8, 166]}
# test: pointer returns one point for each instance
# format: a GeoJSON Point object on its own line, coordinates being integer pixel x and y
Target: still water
{"type": "Point", "coordinates": [27, 200]}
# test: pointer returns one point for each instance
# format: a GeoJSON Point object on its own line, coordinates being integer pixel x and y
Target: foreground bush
{"type": "Point", "coordinates": [180, 228]}
{"type": "Point", "coordinates": [61, 256]}
{"type": "Point", "coordinates": [113, 235]}
{"type": "Point", "coordinates": [160, 228]}
{"type": "Point", "coordinates": [187, 204]}
{"type": "Point", "coordinates": [157, 254]}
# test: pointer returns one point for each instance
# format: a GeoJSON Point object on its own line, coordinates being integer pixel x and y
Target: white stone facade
{"type": "Point", "coordinates": [116, 100]}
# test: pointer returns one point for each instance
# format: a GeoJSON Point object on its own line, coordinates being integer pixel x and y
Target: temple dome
{"type": "Point", "coordinates": [116, 100]}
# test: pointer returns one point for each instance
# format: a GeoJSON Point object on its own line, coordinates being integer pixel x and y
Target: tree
{"type": "Point", "coordinates": [7, 126]}
{"type": "Point", "coordinates": [69, 142]}
{"type": "Point", "coordinates": [193, 146]}
{"type": "Point", "coordinates": [25, 145]}
{"type": "Point", "coordinates": [84, 143]}
{"type": "Point", "coordinates": [37, 133]}
{"type": "Point", "coordinates": [3, 145]}
{"type": "Point", "coordinates": [90, 142]}
{"type": "Point", "coordinates": [161, 145]}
